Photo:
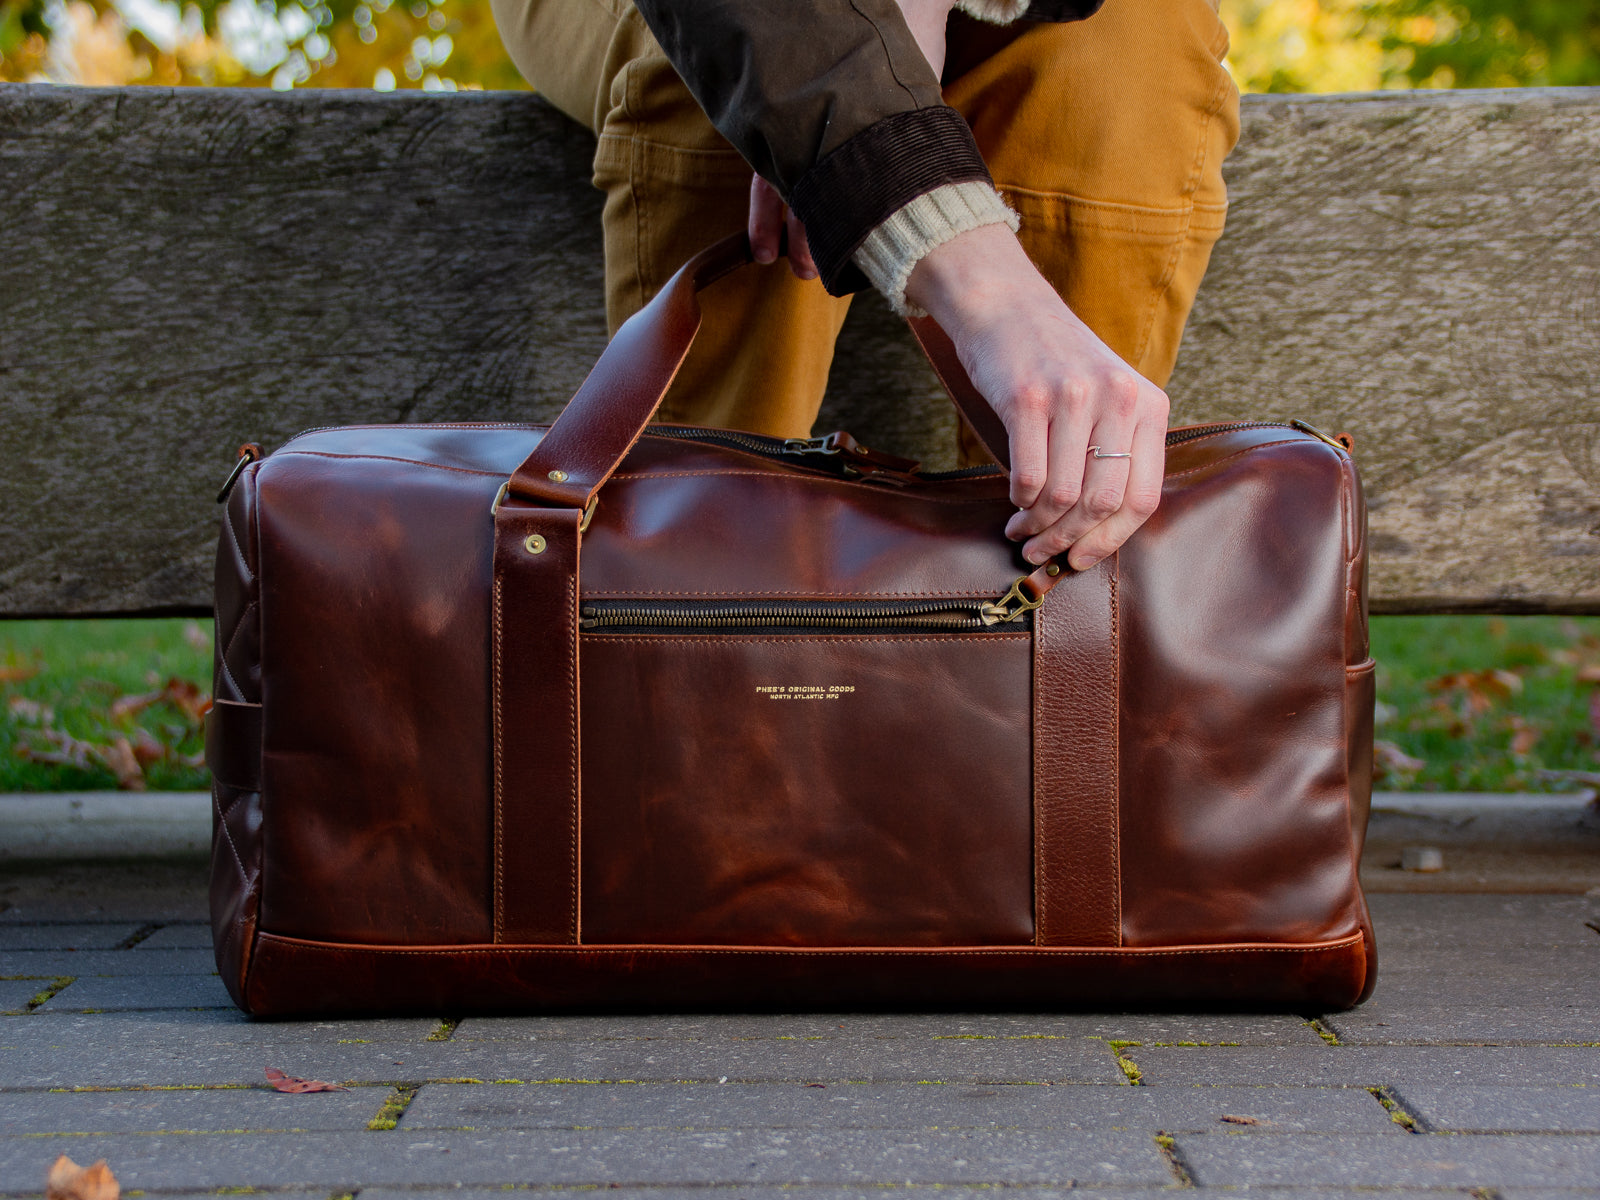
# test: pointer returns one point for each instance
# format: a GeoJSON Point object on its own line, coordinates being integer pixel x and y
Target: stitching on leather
{"type": "Point", "coordinates": [298, 945]}
{"type": "Point", "coordinates": [574, 816]}
{"type": "Point", "coordinates": [395, 459]}
{"type": "Point", "coordinates": [1041, 910]}
{"type": "Point", "coordinates": [499, 773]}
{"type": "Point", "coordinates": [237, 630]}
{"type": "Point", "coordinates": [222, 823]}
{"type": "Point", "coordinates": [238, 691]}
{"type": "Point", "coordinates": [1116, 751]}
{"type": "Point", "coordinates": [1226, 457]}
{"type": "Point", "coordinates": [917, 496]}
{"type": "Point", "coordinates": [747, 594]}
{"type": "Point", "coordinates": [244, 560]}
{"type": "Point", "coordinates": [970, 639]}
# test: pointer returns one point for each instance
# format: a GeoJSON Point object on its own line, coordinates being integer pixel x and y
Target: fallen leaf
{"type": "Point", "coordinates": [1391, 758]}
{"type": "Point", "coordinates": [120, 760]}
{"type": "Point", "coordinates": [288, 1083]}
{"type": "Point", "coordinates": [1481, 689]}
{"type": "Point", "coordinates": [1524, 738]}
{"type": "Point", "coordinates": [1589, 674]}
{"type": "Point", "coordinates": [1232, 1120]}
{"type": "Point", "coordinates": [69, 1181]}
{"type": "Point", "coordinates": [30, 711]}
{"type": "Point", "coordinates": [68, 752]}
{"type": "Point", "coordinates": [146, 749]}
{"type": "Point", "coordinates": [17, 672]}
{"type": "Point", "coordinates": [183, 694]}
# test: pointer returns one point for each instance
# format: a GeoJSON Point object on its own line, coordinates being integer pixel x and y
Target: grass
{"type": "Point", "coordinates": [1487, 703]}
{"type": "Point", "coordinates": [111, 701]}
{"type": "Point", "coordinates": [1464, 703]}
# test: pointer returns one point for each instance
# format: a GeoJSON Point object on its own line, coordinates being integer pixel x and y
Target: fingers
{"type": "Point", "coordinates": [769, 218]}
{"type": "Point", "coordinates": [1139, 500]}
{"type": "Point", "coordinates": [766, 219]}
{"type": "Point", "coordinates": [1091, 504]}
{"type": "Point", "coordinates": [800, 261]}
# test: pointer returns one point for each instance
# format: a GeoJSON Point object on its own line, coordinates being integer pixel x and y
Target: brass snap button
{"type": "Point", "coordinates": [558, 476]}
{"type": "Point", "coordinates": [534, 544]}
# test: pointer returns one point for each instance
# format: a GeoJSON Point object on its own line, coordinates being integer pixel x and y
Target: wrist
{"type": "Point", "coordinates": [891, 252]}
{"type": "Point", "coordinates": [979, 273]}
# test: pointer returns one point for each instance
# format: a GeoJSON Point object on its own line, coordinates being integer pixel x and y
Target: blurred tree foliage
{"type": "Point", "coordinates": [1278, 45]}
{"type": "Point", "coordinates": [1366, 45]}
{"type": "Point", "coordinates": [438, 45]}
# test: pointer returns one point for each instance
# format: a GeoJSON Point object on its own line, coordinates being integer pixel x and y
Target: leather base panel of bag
{"type": "Point", "coordinates": [292, 977]}
{"type": "Point", "coordinates": [820, 831]}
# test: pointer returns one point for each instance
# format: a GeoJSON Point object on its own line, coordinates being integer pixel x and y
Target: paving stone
{"type": "Point", "coordinates": [1370, 1066]}
{"type": "Point", "coordinates": [1355, 1160]}
{"type": "Point", "coordinates": [1522, 1193]}
{"type": "Point", "coordinates": [75, 1058]}
{"type": "Point", "coordinates": [216, 1110]}
{"type": "Point", "coordinates": [77, 936]}
{"type": "Point", "coordinates": [108, 993]}
{"type": "Point", "coordinates": [15, 993]}
{"type": "Point", "coordinates": [191, 1029]}
{"type": "Point", "coordinates": [935, 1192]}
{"type": "Point", "coordinates": [1433, 921]}
{"type": "Point", "coordinates": [107, 962]}
{"type": "Point", "coordinates": [180, 935]}
{"type": "Point", "coordinates": [1502, 1109]}
{"type": "Point", "coordinates": [343, 1161]}
{"type": "Point", "coordinates": [895, 1106]}
{"type": "Point", "coordinates": [1207, 1028]}
{"type": "Point", "coordinates": [1384, 1022]}
{"type": "Point", "coordinates": [1493, 963]}
{"type": "Point", "coordinates": [136, 890]}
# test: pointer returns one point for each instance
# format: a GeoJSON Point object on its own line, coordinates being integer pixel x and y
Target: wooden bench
{"type": "Point", "coordinates": [184, 270]}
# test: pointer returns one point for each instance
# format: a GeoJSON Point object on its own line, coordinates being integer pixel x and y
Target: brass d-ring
{"type": "Point", "coordinates": [534, 544]}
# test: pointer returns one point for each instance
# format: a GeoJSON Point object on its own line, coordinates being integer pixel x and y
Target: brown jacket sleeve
{"type": "Point", "coordinates": [829, 100]}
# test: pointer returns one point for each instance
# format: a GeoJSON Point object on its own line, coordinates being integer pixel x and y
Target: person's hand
{"type": "Point", "coordinates": [770, 217]}
{"type": "Point", "coordinates": [1059, 390]}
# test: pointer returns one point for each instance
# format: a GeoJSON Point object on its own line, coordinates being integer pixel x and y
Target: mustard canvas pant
{"type": "Point", "coordinates": [1106, 135]}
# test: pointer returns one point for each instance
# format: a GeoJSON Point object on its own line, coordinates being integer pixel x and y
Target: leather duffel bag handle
{"type": "Point", "coordinates": [615, 403]}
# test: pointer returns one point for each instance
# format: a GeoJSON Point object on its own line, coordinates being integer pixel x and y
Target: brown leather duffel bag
{"type": "Point", "coordinates": [607, 715]}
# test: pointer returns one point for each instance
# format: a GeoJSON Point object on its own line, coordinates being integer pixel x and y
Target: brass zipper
{"type": "Point", "coordinates": [850, 616]}
{"type": "Point", "coordinates": [809, 450]}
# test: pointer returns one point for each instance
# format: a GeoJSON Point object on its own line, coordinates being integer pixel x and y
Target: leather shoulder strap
{"type": "Point", "coordinates": [615, 403]}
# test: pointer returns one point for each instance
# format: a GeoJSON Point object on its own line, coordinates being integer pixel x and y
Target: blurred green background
{"type": "Point", "coordinates": [1464, 703]}
{"type": "Point", "coordinates": [1278, 45]}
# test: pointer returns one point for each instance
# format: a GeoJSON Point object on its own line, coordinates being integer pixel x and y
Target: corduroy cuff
{"type": "Point", "coordinates": [892, 250]}
{"type": "Point", "coordinates": [875, 174]}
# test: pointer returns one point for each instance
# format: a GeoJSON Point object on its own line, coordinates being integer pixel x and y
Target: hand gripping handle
{"type": "Point", "coordinates": [615, 403]}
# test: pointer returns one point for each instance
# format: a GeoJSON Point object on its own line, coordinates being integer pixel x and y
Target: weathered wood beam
{"type": "Point", "coordinates": [184, 270]}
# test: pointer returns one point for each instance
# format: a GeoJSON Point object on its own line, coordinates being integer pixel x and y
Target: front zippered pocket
{"type": "Point", "coordinates": [802, 616]}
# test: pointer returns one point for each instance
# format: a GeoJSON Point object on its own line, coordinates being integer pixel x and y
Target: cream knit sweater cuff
{"type": "Point", "coordinates": [1001, 12]}
{"type": "Point", "coordinates": [893, 249]}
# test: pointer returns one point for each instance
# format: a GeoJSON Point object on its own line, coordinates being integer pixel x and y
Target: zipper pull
{"type": "Point", "coordinates": [854, 459]}
{"type": "Point", "coordinates": [1343, 442]}
{"type": "Point", "coordinates": [248, 453]}
{"type": "Point", "coordinates": [1012, 605]}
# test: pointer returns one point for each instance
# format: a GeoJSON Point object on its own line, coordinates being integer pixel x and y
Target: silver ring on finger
{"type": "Point", "coordinates": [1099, 453]}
